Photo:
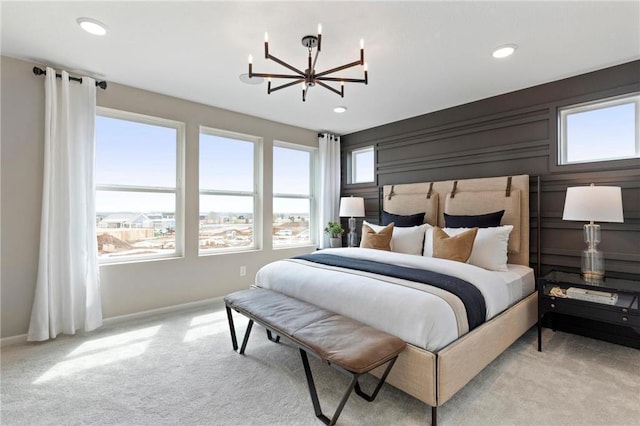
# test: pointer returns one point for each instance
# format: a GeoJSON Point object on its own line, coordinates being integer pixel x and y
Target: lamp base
{"type": "Point", "coordinates": [592, 266]}
{"type": "Point", "coordinates": [592, 277]}
{"type": "Point", "coordinates": [352, 238]}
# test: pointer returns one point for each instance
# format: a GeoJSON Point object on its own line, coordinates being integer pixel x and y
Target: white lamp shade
{"type": "Point", "coordinates": [593, 203]}
{"type": "Point", "coordinates": [351, 207]}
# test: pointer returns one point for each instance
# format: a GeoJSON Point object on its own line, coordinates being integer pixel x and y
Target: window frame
{"type": "Point", "coordinates": [593, 105]}
{"type": "Point", "coordinates": [353, 164]}
{"type": "Point", "coordinates": [313, 155]}
{"type": "Point", "coordinates": [256, 193]}
{"type": "Point", "coordinates": [179, 190]}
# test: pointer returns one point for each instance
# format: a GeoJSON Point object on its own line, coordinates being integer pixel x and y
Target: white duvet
{"type": "Point", "coordinates": [420, 318]}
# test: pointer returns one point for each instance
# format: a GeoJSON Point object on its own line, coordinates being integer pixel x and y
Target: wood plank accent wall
{"type": "Point", "coordinates": [510, 134]}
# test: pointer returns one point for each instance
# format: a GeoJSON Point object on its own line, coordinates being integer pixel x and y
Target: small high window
{"type": "Point", "coordinates": [362, 165]}
{"type": "Point", "coordinates": [603, 130]}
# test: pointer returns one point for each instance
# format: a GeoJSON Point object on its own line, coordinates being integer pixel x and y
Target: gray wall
{"type": "Point", "coordinates": [131, 287]}
{"type": "Point", "coordinates": [513, 134]}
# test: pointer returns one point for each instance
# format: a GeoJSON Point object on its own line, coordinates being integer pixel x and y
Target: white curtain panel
{"type": "Point", "coordinates": [67, 297]}
{"type": "Point", "coordinates": [329, 197]}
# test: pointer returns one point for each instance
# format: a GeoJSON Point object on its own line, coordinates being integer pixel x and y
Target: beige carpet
{"type": "Point", "coordinates": [179, 369]}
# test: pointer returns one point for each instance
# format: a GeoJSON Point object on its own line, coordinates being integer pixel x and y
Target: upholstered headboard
{"type": "Point", "coordinates": [468, 197]}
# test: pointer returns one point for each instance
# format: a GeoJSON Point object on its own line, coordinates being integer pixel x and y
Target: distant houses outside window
{"type": "Point", "coordinates": [607, 129]}
{"type": "Point", "coordinates": [138, 164]}
{"type": "Point", "coordinates": [228, 191]}
{"type": "Point", "coordinates": [362, 165]}
{"type": "Point", "coordinates": [293, 198]}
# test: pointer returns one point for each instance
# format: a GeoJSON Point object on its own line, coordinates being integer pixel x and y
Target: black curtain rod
{"type": "Point", "coordinates": [332, 137]}
{"type": "Point", "coordinates": [40, 71]}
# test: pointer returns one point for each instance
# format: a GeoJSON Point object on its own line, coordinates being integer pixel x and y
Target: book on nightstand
{"type": "Point", "coordinates": [592, 295]}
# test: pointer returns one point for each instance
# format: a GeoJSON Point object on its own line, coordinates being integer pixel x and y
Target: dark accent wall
{"type": "Point", "coordinates": [514, 133]}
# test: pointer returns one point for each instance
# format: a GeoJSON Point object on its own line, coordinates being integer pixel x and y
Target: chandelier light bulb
{"type": "Point", "coordinates": [266, 37]}
{"type": "Point", "coordinates": [319, 28]}
{"type": "Point", "coordinates": [361, 43]}
{"type": "Point", "coordinates": [250, 59]}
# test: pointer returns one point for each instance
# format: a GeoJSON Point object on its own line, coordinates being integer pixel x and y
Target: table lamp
{"type": "Point", "coordinates": [352, 207]}
{"type": "Point", "coordinates": [593, 203]}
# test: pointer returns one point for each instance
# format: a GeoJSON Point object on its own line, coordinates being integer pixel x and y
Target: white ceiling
{"type": "Point", "coordinates": [422, 56]}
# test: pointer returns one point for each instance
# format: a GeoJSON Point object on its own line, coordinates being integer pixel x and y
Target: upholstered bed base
{"type": "Point", "coordinates": [434, 378]}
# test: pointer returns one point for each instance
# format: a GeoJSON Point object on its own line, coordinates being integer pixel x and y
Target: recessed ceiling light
{"type": "Point", "coordinates": [339, 109]}
{"type": "Point", "coordinates": [504, 51]}
{"type": "Point", "coordinates": [253, 80]}
{"type": "Point", "coordinates": [92, 26]}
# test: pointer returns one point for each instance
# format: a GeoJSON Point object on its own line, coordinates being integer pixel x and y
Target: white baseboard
{"type": "Point", "coordinates": [214, 302]}
{"type": "Point", "coordinates": [13, 340]}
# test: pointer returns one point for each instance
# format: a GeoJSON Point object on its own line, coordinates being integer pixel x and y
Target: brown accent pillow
{"type": "Point", "coordinates": [377, 240]}
{"type": "Point", "coordinates": [456, 248]}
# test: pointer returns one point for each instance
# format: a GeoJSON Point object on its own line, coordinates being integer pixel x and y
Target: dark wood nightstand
{"type": "Point", "coordinates": [623, 313]}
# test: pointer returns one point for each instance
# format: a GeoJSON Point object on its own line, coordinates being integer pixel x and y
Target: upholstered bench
{"type": "Point", "coordinates": [341, 342]}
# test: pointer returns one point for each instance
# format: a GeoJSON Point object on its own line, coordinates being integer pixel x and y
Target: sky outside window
{"type": "Point", "coordinates": [601, 134]}
{"type": "Point", "coordinates": [134, 154]}
{"type": "Point", "coordinates": [131, 153]}
{"type": "Point", "coordinates": [291, 171]}
{"type": "Point", "coordinates": [363, 162]}
{"type": "Point", "coordinates": [226, 164]}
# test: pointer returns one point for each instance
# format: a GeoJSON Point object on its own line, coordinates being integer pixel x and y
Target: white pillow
{"type": "Point", "coordinates": [489, 248]}
{"type": "Point", "coordinates": [409, 240]}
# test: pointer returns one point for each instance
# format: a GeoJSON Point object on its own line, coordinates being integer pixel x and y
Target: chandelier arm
{"type": "Point", "coordinates": [293, 83]}
{"type": "Point", "coordinates": [265, 75]}
{"type": "Point", "coordinates": [286, 65]}
{"type": "Point", "coordinates": [343, 67]}
{"type": "Point", "coordinates": [338, 79]}
{"type": "Point", "coordinates": [326, 86]}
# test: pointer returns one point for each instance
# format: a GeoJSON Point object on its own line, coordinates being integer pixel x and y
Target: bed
{"type": "Point", "coordinates": [443, 354]}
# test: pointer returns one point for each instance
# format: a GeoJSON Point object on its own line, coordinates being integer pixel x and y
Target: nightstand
{"type": "Point", "coordinates": [619, 311]}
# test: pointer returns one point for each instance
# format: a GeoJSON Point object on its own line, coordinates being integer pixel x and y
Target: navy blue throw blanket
{"type": "Point", "coordinates": [471, 297]}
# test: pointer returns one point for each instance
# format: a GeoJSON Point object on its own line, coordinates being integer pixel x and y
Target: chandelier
{"type": "Point", "coordinates": [309, 77]}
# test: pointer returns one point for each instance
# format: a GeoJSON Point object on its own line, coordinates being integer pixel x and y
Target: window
{"type": "Point", "coordinates": [138, 173]}
{"type": "Point", "coordinates": [228, 195]}
{"type": "Point", "coordinates": [293, 202]}
{"type": "Point", "coordinates": [362, 165]}
{"type": "Point", "coordinates": [599, 131]}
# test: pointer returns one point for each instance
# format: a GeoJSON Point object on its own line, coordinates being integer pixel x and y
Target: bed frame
{"type": "Point", "coordinates": [434, 377]}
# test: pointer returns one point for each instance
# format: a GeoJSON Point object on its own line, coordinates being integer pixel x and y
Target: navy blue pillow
{"type": "Point", "coordinates": [476, 221]}
{"type": "Point", "coordinates": [402, 221]}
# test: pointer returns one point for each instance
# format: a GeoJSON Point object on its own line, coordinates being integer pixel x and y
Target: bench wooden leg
{"type": "Point", "coordinates": [314, 394]}
{"type": "Point", "coordinates": [434, 416]}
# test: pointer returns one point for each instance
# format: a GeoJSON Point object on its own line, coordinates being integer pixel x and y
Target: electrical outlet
{"type": "Point", "coordinates": [243, 271]}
